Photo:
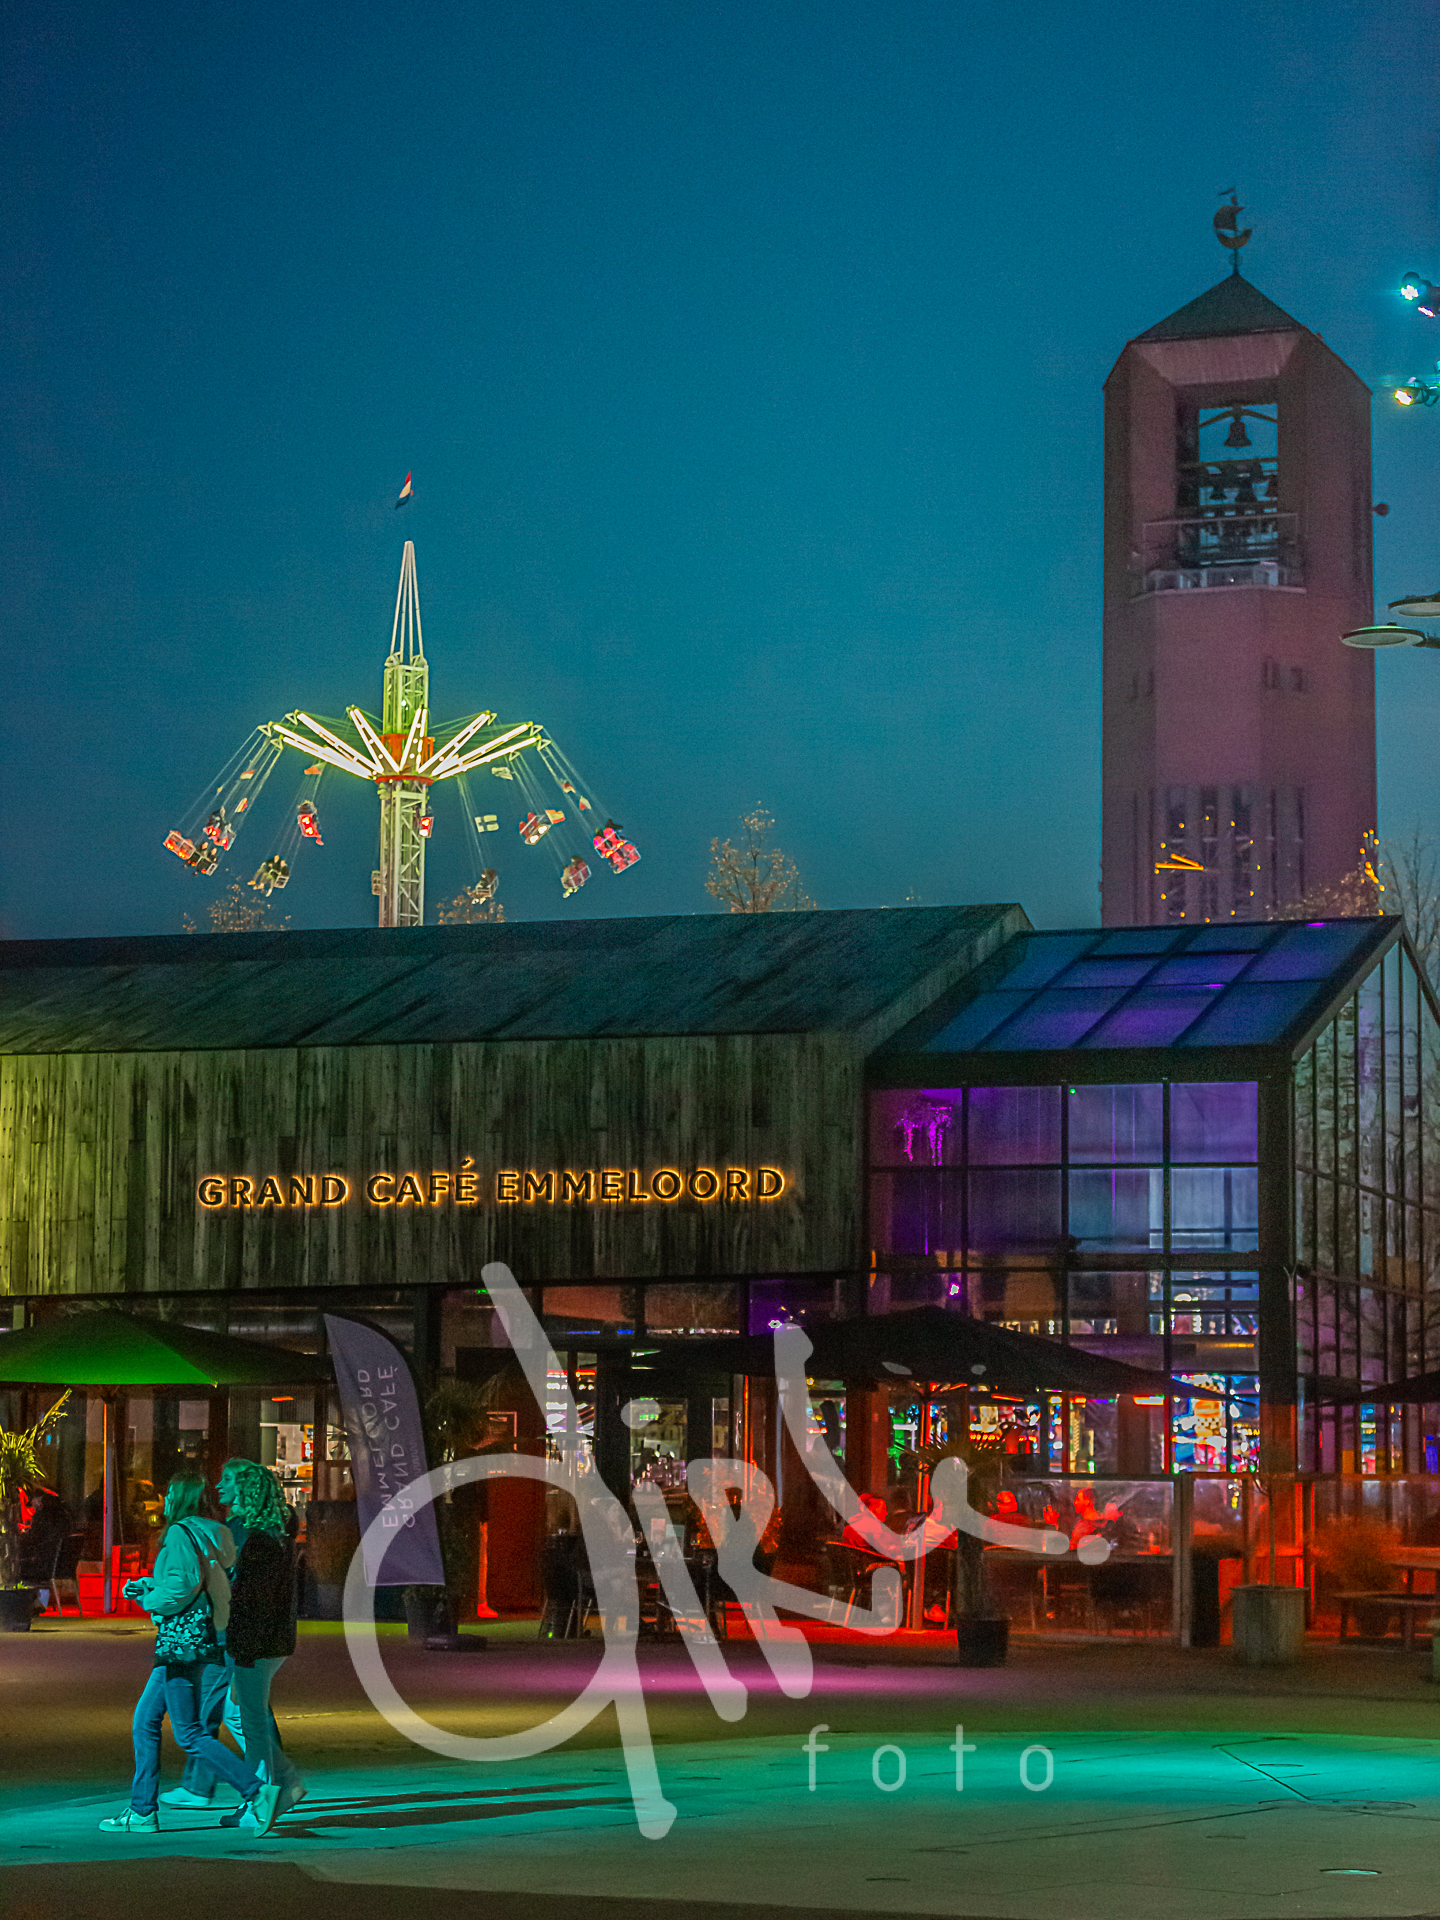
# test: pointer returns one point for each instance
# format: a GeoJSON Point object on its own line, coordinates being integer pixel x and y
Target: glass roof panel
{"type": "Point", "coordinates": [1104, 973]}
{"type": "Point", "coordinates": [973, 1023]}
{"type": "Point", "coordinates": [1251, 1016]}
{"type": "Point", "coordinates": [1153, 1017]}
{"type": "Point", "coordinates": [1140, 940]}
{"type": "Point", "coordinates": [1244, 937]}
{"type": "Point", "coordinates": [1312, 952]}
{"type": "Point", "coordinates": [1057, 1019]}
{"type": "Point", "coordinates": [1231, 985]}
{"type": "Point", "coordinates": [1200, 969]}
{"type": "Point", "coordinates": [1040, 957]}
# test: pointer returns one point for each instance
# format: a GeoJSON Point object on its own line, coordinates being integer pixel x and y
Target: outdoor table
{"type": "Point", "coordinates": [1415, 1560]}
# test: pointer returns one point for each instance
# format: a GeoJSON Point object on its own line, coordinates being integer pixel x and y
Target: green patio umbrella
{"type": "Point", "coordinates": [124, 1352]}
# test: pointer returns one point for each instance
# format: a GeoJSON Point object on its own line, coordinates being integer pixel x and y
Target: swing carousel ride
{"type": "Point", "coordinates": [406, 760]}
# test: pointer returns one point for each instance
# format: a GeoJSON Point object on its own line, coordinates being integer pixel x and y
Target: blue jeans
{"type": "Point", "coordinates": [176, 1691]}
{"type": "Point", "coordinates": [240, 1698]}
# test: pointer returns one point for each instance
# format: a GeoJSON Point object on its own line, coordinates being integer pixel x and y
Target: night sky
{"type": "Point", "coordinates": [748, 359]}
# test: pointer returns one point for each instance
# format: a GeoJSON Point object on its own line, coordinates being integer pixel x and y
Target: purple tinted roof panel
{"type": "Point", "coordinates": [1252, 1016]}
{"type": "Point", "coordinates": [1152, 1018]}
{"type": "Point", "coordinates": [1056, 1019]}
{"type": "Point", "coordinates": [1312, 953]}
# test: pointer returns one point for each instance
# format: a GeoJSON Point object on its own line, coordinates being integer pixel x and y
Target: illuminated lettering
{"type": "Point", "coordinates": [736, 1186]}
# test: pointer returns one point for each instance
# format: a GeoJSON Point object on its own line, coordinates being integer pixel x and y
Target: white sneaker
{"type": "Point", "coordinates": [131, 1822]}
{"type": "Point", "coordinates": [183, 1797]}
{"type": "Point", "coordinates": [261, 1811]}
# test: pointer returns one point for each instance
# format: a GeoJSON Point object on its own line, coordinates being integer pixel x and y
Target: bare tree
{"type": "Point", "coordinates": [234, 913]}
{"type": "Point", "coordinates": [1360, 891]}
{"type": "Point", "coordinates": [473, 905]}
{"type": "Point", "coordinates": [753, 877]}
{"type": "Point", "coordinates": [1402, 876]}
{"type": "Point", "coordinates": [1412, 886]}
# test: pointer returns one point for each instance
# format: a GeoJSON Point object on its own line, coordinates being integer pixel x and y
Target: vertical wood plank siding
{"type": "Point", "coordinates": [101, 1153]}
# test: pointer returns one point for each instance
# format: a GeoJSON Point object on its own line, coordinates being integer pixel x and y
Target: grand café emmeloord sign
{"type": "Point", "coordinates": [508, 1186]}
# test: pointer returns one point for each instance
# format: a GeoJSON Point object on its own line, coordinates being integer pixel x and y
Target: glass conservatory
{"type": "Point", "coordinates": [1205, 1150]}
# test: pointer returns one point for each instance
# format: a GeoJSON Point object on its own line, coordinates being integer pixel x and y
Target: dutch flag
{"type": "Point", "coordinates": [407, 492]}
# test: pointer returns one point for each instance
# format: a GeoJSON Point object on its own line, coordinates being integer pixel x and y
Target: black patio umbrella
{"type": "Point", "coordinates": [118, 1353]}
{"type": "Point", "coordinates": [930, 1344]}
{"type": "Point", "coordinates": [927, 1344]}
{"type": "Point", "coordinates": [1423, 1388]}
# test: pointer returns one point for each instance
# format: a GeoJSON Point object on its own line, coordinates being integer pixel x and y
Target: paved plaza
{"type": "Point", "coordinates": [1098, 1783]}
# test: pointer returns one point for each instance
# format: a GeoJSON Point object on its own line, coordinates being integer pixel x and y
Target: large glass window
{"type": "Point", "coordinates": [1103, 1215]}
{"type": "Point", "coordinates": [1367, 1218]}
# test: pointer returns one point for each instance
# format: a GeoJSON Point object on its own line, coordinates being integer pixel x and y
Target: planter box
{"type": "Point", "coordinates": [982, 1641]}
{"type": "Point", "coordinates": [1268, 1625]}
{"type": "Point", "coordinates": [17, 1604]}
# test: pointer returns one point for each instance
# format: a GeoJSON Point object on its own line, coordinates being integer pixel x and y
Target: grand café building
{"type": "Point", "coordinates": [1210, 1150]}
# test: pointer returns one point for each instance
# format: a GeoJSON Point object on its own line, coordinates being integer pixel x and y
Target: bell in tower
{"type": "Point", "coordinates": [1237, 549]}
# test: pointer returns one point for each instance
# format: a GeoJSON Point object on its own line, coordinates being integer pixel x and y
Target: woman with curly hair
{"type": "Point", "coordinates": [187, 1595]}
{"type": "Point", "coordinates": [259, 1637]}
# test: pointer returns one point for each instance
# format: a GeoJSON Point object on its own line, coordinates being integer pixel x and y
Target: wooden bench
{"type": "Point", "coordinates": [1407, 1605]}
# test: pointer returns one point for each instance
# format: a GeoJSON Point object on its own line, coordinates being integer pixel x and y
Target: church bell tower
{"type": "Point", "coordinates": [1239, 734]}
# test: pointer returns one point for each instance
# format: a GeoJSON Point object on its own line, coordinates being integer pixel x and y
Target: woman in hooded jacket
{"type": "Point", "coordinates": [187, 1594]}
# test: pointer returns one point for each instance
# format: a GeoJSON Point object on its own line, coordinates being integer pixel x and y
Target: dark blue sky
{"type": "Point", "coordinates": [748, 360]}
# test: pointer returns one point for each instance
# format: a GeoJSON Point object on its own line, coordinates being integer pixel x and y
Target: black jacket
{"type": "Point", "coordinates": [262, 1601]}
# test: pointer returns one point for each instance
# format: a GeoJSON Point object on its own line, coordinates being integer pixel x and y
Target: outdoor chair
{"type": "Point", "coordinates": [63, 1569]}
{"type": "Point", "coordinates": [568, 1590]}
{"type": "Point", "coordinates": [852, 1570]}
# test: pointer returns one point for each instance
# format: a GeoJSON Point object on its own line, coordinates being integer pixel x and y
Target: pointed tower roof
{"type": "Point", "coordinates": [1231, 306]}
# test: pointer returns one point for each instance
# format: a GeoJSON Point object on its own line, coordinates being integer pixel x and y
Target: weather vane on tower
{"type": "Point", "coordinates": [1227, 221]}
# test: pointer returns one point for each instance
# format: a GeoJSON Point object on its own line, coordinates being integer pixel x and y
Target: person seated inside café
{"type": "Point", "coordinates": [852, 1535]}
{"type": "Point", "coordinates": [49, 1528]}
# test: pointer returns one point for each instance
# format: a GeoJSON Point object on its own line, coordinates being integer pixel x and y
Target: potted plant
{"type": "Point", "coordinates": [456, 1428]}
{"type": "Point", "coordinates": [1268, 1621]}
{"type": "Point", "coordinates": [19, 1468]}
{"type": "Point", "coordinates": [1357, 1556]}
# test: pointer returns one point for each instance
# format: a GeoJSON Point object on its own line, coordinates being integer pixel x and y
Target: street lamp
{"type": "Point", "coordinates": [1420, 291]}
{"type": "Point", "coordinates": [1421, 606]}
{"type": "Point", "coordinates": [1416, 393]}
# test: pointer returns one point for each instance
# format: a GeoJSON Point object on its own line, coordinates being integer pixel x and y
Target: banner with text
{"type": "Point", "coordinates": [387, 1452]}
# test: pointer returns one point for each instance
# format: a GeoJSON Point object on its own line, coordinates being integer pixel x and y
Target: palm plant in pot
{"type": "Point", "coordinates": [19, 1468]}
{"type": "Point", "coordinates": [456, 1417]}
